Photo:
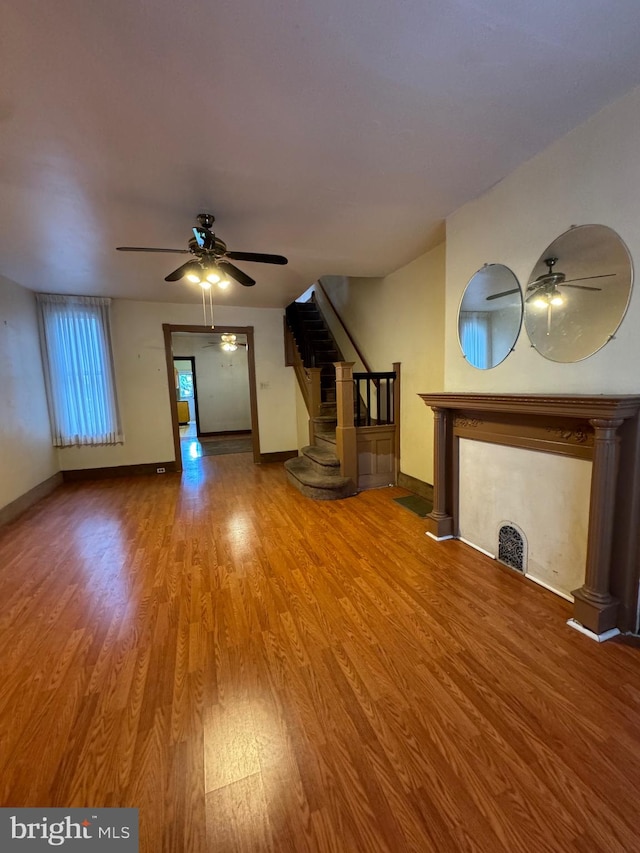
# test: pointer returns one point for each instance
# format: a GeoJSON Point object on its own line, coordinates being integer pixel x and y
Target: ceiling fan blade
{"type": "Point", "coordinates": [504, 293]}
{"type": "Point", "coordinates": [587, 277]}
{"type": "Point", "coordinates": [176, 275]}
{"type": "Point", "coordinates": [142, 249]}
{"type": "Point", "coordinates": [579, 286]}
{"type": "Point", "coordinates": [204, 238]}
{"type": "Point", "coordinates": [234, 272]}
{"type": "Point", "coordinates": [256, 257]}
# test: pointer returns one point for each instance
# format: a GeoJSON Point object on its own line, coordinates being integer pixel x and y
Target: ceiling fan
{"type": "Point", "coordinates": [211, 261]}
{"type": "Point", "coordinates": [228, 342]}
{"type": "Point", "coordinates": [547, 284]}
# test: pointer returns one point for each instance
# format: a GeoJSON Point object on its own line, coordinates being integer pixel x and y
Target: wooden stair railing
{"type": "Point", "coordinates": [375, 404]}
{"type": "Point", "coordinates": [308, 379]}
{"type": "Point", "coordinates": [368, 444]}
{"type": "Point", "coordinates": [329, 302]}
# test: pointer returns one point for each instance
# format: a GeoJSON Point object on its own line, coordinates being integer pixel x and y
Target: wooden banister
{"type": "Point", "coordinates": [308, 377]}
{"type": "Point", "coordinates": [340, 320]}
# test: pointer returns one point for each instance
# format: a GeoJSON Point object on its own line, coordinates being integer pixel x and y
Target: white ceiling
{"type": "Point", "coordinates": [338, 133]}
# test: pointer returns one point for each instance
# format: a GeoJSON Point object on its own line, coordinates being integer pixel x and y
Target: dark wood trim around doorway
{"type": "Point", "coordinates": [168, 329]}
{"type": "Point", "coordinates": [192, 359]}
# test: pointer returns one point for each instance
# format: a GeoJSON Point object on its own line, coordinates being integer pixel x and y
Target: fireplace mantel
{"type": "Point", "coordinates": [603, 429]}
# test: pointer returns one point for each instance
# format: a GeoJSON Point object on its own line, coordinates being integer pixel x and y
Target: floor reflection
{"type": "Point", "coordinates": [190, 446]}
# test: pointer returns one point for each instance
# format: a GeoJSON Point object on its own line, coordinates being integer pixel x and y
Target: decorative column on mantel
{"type": "Point", "coordinates": [439, 521]}
{"type": "Point", "coordinates": [595, 607]}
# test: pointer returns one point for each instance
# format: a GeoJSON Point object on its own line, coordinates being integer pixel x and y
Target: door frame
{"type": "Point", "coordinates": [168, 329]}
{"type": "Point", "coordinates": [192, 359]}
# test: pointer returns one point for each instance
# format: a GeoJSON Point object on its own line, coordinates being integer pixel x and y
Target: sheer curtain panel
{"type": "Point", "coordinates": [78, 368]}
{"type": "Point", "coordinates": [475, 338]}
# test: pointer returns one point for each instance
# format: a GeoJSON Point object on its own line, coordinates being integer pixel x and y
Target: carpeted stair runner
{"type": "Point", "coordinates": [316, 473]}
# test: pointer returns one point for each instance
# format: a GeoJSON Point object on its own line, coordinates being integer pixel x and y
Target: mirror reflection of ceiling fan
{"type": "Point", "coordinates": [227, 342]}
{"type": "Point", "coordinates": [545, 286]}
{"type": "Point", "coordinates": [211, 262]}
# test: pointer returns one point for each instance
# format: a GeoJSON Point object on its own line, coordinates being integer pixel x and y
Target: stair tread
{"type": "Point", "coordinates": [302, 470]}
{"type": "Point", "coordinates": [328, 437]}
{"type": "Point", "coordinates": [322, 455]}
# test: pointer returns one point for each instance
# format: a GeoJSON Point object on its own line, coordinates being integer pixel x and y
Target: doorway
{"type": "Point", "coordinates": [184, 370]}
{"type": "Point", "coordinates": [218, 385]}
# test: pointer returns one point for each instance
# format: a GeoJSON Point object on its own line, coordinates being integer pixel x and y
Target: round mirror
{"type": "Point", "coordinates": [578, 293]}
{"type": "Point", "coordinates": [490, 316]}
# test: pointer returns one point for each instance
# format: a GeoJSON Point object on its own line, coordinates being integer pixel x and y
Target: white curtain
{"type": "Point", "coordinates": [78, 368]}
{"type": "Point", "coordinates": [475, 337]}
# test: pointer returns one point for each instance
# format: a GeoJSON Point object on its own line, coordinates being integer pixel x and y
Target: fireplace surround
{"type": "Point", "coordinates": [602, 429]}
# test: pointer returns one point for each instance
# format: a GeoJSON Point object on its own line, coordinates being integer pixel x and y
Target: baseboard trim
{"type": "Point", "coordinates": [278, 456]}
{"type": "Point", "coordinates": [477, 547]}
{"type": "Point", "coordinates": [599, 638]}
{"type": "Point", "coordinates": [566, 595]}
{"type": "Point", "coordinates": [438, 538]}
{"type": "Point", "coordinates": [119, 471]}
{"type": "Point", "coordinates": [12, 510]}
{"type": "Point", "coordinates": [226, 433]}
{"type": "Point", "coordinates": [418, 487]}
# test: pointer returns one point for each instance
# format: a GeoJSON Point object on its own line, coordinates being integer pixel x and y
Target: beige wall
{"type": "Point", "coordinates": [27, 457]}
{"type": "Point", "coordinates": [401, 318]}
{"type": "Point", "coordinates": [592, 175]}
{"type": "Point", "coordinates": [143, 393]}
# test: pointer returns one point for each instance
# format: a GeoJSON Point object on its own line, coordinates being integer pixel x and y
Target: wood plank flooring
{"type": "Point", "coordinates": [256, 671]}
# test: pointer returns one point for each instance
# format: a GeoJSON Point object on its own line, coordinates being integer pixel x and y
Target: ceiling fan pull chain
{"type": "Point", "coordinates": [211, 307]}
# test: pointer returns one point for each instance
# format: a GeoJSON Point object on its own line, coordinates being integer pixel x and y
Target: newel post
{"type": "Point", "coordinates": [346, 436]}
{"type": "Point", "coordinates": [396, 415]}
{"type": "Point", "coordinates": [594, 606]}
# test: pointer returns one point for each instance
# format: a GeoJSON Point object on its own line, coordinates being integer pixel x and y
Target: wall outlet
{"type": "Point", "coordinates": [160, 470]}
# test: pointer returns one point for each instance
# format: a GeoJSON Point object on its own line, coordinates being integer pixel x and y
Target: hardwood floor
{"type": "Point", "coordinates": [260, 672]}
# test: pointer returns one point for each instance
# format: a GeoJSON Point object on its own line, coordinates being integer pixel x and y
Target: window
{"type": "Point", "coordinates": [185, 383]}
{"type": "Point", "coordinates": [78, 367]}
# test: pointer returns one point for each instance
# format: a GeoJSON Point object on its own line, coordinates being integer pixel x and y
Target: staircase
{"type": "Point", "coordinates": [316, 473]}
{"type": "Point", "coordinates": [315, 344]}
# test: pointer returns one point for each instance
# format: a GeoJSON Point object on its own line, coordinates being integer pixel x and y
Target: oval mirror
{"type": "Point", "coordinates": [578, 293]}
{"type": "Point", "coordinates": [490, 316]}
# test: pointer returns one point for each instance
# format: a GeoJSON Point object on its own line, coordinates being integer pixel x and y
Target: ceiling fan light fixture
{"type": "Point", "coordinates": [224, 283]}
{"type": "Point", "coordinates": [556, 299]}
{"type": "Point", "coordinates": [228, 342]}
{"type": "Point", "coordinates": [205, 285]}
{"type": "Point", "coordinates": [208, 251]}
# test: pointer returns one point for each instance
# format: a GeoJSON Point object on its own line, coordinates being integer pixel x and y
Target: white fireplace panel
{"type": "Point", "coordinates": [545, 495]}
